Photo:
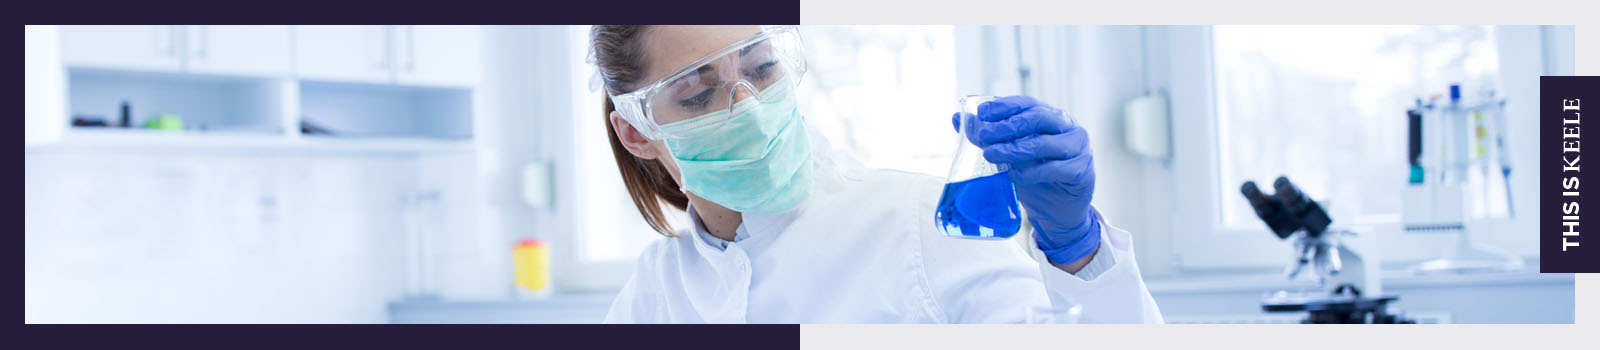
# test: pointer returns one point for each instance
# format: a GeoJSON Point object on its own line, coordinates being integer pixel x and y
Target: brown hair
{"type": "Point", "coordinates": [618, 53]}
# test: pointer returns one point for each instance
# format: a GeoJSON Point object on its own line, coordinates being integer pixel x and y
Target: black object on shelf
{"type": "Point", "coordinates": [308, 127]}
{"type": "Point", "coordinates": [86, 121]}
{"type": "Point", "coordinates": [127, 116]}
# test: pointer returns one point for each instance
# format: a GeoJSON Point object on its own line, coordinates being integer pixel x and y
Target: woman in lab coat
{"type": "Point", "coordinates": [704, 119]}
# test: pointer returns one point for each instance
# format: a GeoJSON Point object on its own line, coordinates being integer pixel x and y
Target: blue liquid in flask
{"type": "Point", "coordinates": [981, 207]}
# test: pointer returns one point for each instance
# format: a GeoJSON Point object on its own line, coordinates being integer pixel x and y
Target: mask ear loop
{"type": "Point", "coordinates": [681, 187]}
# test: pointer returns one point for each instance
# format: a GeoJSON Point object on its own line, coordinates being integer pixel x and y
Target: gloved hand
{"type": "Point", "coordinates": [1052, 167]}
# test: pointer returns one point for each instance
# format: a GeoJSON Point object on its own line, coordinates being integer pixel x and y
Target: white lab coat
{"type": "Point", "coordinates": [863, 248]}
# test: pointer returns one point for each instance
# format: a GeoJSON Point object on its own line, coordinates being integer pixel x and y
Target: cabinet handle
{"type": "Point", "coordinates": [386, 50]}
{"type": "Point", "coordinates": [205, 40]}
{"type": "Point", "coordinates": [411, 48]}
{"type": "Point", "coordinates": [172, 41]}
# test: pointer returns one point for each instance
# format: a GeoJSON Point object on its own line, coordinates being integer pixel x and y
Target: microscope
{"type": "Point", "coordinates": [1351, 291]}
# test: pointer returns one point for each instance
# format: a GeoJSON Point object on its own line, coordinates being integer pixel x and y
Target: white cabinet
{"type": "Point", "coordinates": [242, 50]}
{"type": "Point", "coordinates": [249, 50]}
{"type": "Point", "coordinates": [344, 53]}
{"type": "Point", "coordinates": [141, 47]}
{"type": "Point", "coordinates": [406, 55]}
{"type": "Point", "coordinates": [441, 56]}
{"type": "Point", "coordinates": [438, 55]}
{"type": "Point", "coordinates": [403, 82]}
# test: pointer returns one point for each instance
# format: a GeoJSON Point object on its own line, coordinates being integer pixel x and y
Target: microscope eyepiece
{"type": "Point", "coordinates": [1253, 194]}
{"type": "Point", "coordinates": [1287, 210]}
{"type": "Point", "coordinates": [1287, 192]}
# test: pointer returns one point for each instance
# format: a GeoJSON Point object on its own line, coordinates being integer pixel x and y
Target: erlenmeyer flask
{"type": "Point", "coordinates": [979, 200]}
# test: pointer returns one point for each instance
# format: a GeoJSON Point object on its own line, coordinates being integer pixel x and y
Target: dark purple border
{"type": "Point", "coordinates": [349, 337]}
{"type": "Point", "coordinates": [410, 12]}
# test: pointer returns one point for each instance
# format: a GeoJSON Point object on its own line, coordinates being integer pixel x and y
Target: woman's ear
{"type": "Point", "coordinates": [631, 139]}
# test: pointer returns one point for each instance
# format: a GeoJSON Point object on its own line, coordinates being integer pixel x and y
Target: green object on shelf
{"type": "Point", "coordinates": [166, 122]}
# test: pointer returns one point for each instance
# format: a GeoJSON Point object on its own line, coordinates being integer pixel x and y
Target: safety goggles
{"type": "Point", "coordinates": [771, 59]}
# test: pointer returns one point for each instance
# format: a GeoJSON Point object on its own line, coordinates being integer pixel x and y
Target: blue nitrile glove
{"type": "Point", "coordinates": [1052, 167]}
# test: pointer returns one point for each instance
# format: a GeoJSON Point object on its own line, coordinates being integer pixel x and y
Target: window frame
{"type": "Point", "coordinates": [1195, 170]}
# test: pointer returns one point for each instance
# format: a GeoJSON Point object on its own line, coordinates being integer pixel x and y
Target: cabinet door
{"type": "Point", "coordinates": [249, 50]}
{"type": "Point", "coordinates": [438, 55]}
{"type": "Point", "coordinates": [144, 47]}
{"type": "Point", "coordinates": [44, 86]}
{"type": "Point", "coordinates": [344, 53]}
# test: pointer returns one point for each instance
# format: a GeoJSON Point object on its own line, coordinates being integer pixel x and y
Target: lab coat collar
{"type": "Point", "coordinates": [703, 242]}
{"type": "Point", "coordinates": [756, 228]}
{"type": "Point", "coordinates": [708, 239]}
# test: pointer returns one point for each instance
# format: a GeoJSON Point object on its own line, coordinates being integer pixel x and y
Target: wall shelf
{"type": "Point", "coordinates": [203, 101]}
{"type": "Point", "coordinates": [243, 114]}
{"type": "Point", "coordinates": [366, 110]}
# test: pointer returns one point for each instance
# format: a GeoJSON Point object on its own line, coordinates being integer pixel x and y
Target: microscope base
{"type": "Point", "coordinates": [1336, 308]}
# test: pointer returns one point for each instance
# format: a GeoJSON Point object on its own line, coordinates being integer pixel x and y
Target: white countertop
{"type": "Point", "coordinates": [1220, 282]}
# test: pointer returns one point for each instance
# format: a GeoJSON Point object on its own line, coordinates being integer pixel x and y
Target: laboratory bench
{"type": "Point", "coordinates": [1216, 297]}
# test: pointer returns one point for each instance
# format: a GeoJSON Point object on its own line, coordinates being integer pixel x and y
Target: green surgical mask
{"type": "Point", "coordinates": [757, 159]}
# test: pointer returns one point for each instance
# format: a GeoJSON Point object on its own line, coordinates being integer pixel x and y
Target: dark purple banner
{"type": "Point", "coordinates": [1563, 246]}
{"type": "Point", "coordinates": [465, 336]}
{"type": "Point", "coordinates": [414, 12]}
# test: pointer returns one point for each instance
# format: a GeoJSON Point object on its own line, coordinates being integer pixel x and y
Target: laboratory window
{"type": "Point", "coordinates": [1325, 106]}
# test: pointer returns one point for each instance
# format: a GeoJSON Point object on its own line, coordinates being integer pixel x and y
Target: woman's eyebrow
{"type": "Point", "coordinates": [708, 67]}
{"type": "Point", "coordinates": [746, 49]}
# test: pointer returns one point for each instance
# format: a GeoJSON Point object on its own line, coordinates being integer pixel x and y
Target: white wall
{"type": "Point", "coordinates": [529, 117]}
{"type": "Point", "coordinates": [1109, 71]}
